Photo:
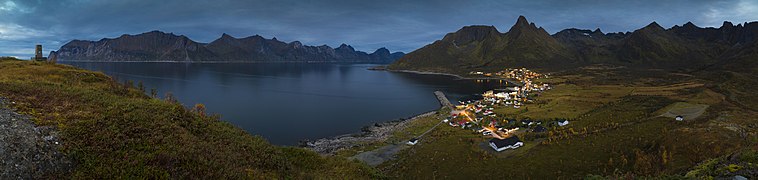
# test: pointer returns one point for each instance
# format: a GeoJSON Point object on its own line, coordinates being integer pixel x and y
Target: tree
{"type": "Point", "coordinates": [153, 93]}
{"type": "Point", "coordinates": [200, 109]}
{"type": "Point", "coordinates": [129, 84]}
{"type": "Point", "coordinates": [141, 87]}
{"type": "Point", "coordinates": [170, 97]}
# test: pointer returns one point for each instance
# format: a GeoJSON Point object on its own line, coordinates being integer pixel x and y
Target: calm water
{"type": "Point", "coordinates": [286, 103]}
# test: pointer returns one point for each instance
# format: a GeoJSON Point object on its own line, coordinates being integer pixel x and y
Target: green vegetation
{"type": "Point", "coordinates": [616, 131]}
{"type": "Point", "coordinates": [115, 131]}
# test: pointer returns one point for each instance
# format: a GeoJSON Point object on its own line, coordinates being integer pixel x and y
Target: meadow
{"type": "Point", "coordinates": [120, 130]}
{"type": "Point", "coordinates": [618, 129]}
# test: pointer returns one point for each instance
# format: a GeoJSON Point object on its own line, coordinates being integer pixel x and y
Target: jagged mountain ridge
{"type": "Point", "coordinates": [160, 46]}
{"type": "Point", "coordinates": [527, 45]}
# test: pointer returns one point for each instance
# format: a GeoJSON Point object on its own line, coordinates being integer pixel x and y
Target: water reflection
{"type": "Point", "coordinates": [289, 102]}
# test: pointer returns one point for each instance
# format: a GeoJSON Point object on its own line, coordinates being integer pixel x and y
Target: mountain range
{"type": "Point", "coordinates": [160, 46]}
{"type": "Point", "coordinates": [685, 47]}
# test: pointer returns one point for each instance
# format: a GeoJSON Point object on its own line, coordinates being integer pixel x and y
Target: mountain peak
{"type": "Point", "coordinates": [227, 36]}
{"type": "Point", "coordinates": [727, 24]}
{"type": "Point", "coordinates": [689, 25]}
{"type": "Point", "coordinates": [522, 21]}
{"type": "Point", "coordinates": [522, 24]}
{"type": "Point", "coordinates": [382, 51]}
{"type": "Point", "coordinates": [471, 33]}
{"type": "Point", "coordinates": [157, 32]}
{"type": "Point", "coordinates": [597, 32]}
{"type": "Point", "coordinates": [524, 28]}
{"type": "Point", "coordinates": [653, 25]}
{"type": "Point", "coordinates": [344, 46]}
{"type": "Point", "coordinates": [296, 44]}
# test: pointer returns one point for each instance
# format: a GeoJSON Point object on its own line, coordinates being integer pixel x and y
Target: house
{"type": "Point", "coordinates": [487, 133]}
{"type": "Point", "coordinates": [526, 122]}
{"type": "Point", "coordinates": [563, 122]}
{"type": "Point", "coordinates": [512, 142]}
{"type": "Point", "coordinates": [539, 129]}
{"type": "Point", "coordinates": [679, 118]}
{"type": "Point", "coordinates": [502, 95]}
{"type": "Point", "coordinates": [489, 93]}
{"type": "Point", "coordinates": [452, 124]}
{"type": "Point", "coordinates": [412, 141]}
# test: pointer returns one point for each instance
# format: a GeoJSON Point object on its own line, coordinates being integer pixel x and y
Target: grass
{"type": "Point", "coordinates": [615, 132]}
{"type": "Point", "coordinates": [115, 131]}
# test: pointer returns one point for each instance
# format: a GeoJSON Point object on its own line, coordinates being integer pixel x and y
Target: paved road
{"type": "Point", "coordinates": [27, 151]}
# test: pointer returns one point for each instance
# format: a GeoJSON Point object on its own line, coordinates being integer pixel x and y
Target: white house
{"type": "Point", "coordinates": [412, 142]}
{"type": "Point", "coordinates": [503, 95]}
{"type": "Point", "coordinates": [679, 118]}
{"type": "Point", "coordinates": [563, 122]}
{"type": "Point", "coordinates": [512, 142]}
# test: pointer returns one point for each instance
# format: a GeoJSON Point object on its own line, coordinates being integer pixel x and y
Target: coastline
{"type": "Point", "coordinates": [453, 75]}
{"type": "Point", "coordinates": [225, 62]}
{"type": "Point", "coordinates": [373, 133]}
{"type": "Point", "coordinates": [428, 73]}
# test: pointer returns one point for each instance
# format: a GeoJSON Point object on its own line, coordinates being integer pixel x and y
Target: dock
{"type": "Point", "coordinates": [443, 99]}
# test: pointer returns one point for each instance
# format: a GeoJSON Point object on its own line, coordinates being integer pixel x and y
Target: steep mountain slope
{"type": "Point", "coordinates": [475, 47]}
{"type": "Point", "coordinates": [154, 45]}
{"type": "Point", "coordinates": [159, 46]}
{"type": "Point", "coordinates": [685, 47]}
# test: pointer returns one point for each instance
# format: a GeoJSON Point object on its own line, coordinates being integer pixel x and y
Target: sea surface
{"type": "Point", "coordinates": [286, 103]}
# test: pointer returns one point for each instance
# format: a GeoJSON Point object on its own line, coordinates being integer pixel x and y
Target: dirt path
{"type": "Point", "coordinates": [28, 152]}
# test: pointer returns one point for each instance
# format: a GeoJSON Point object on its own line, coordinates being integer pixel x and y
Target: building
{"type": "Point", "coordinates": [38, 54]}
{"type": "Point", "coordinates": [679, 118]}
{"type": "Point", "coordinates": [412, 142]}
{"type": "Point", "coordinates": [563, 122]}
{"type": "Point", "coordinates": [512, 142]}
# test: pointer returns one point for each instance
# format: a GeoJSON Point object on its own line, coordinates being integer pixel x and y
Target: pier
{"type": "Point", "coordinates": [443, 99]}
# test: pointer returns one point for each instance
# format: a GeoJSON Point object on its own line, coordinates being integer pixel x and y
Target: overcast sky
{"type": "Point", "coordinates": [399, 25]}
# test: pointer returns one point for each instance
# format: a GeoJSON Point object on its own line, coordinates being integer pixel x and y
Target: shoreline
{"type": "Point", "coordinates": [453, 75]}
{"type": "Point", "coordinates": [223, 62]}
{"type": "Point", "coordinates": [428, 73]}
{"type": "Point", "coordinates": [372, 133]}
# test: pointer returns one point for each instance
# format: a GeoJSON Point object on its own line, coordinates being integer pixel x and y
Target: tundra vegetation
{"type": "Point", "coordinates": [112, 130]}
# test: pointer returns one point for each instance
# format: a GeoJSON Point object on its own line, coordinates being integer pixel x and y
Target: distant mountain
{"type": "Point", "coordinates": [160, 46]}
{"type": "Point", "coordinates": [686, 47]}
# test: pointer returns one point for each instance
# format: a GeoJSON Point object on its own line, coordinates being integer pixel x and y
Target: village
{"type": "Point", "coordinates": [479, 116]}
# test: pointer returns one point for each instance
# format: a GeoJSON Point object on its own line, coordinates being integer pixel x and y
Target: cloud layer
{"type": "Point", "coordinates": [396, 24]}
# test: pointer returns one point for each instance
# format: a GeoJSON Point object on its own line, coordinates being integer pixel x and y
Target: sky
{"type": "Point", "coordinates": [399, 25]}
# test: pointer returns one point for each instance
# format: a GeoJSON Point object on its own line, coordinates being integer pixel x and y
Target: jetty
{"type": "Point", "coordinates": [443, 99]}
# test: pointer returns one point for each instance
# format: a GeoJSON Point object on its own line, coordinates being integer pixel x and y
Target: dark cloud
{"type": "Point", "coordinates": [396, 24]}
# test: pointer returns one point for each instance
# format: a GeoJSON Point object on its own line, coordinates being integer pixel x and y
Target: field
{"type": "Point", "coordinates": [620, 126]}
{"type": "Point", "coordinates": [112, 130]}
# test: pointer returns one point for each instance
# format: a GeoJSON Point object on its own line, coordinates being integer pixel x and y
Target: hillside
{"type": "Point", "coordinates": [620, 128]}
{"type": "Point", "coordinates": [160, 46]}
{"type": "Point", "coordinates": [115, 131]}
{"type": "Point", "coordinates": [685, 47]}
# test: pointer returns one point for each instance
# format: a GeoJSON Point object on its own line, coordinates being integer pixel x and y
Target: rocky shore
{"type": "Point", "coordinates": [28, 151]}
{"type": "Point", "coordinates": [376, 133]}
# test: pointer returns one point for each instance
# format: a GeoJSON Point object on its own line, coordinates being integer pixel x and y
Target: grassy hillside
{"type": "Point", "coordinates": [111, 130]}
{"type": "Point", "coordinates": [619, 128]}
